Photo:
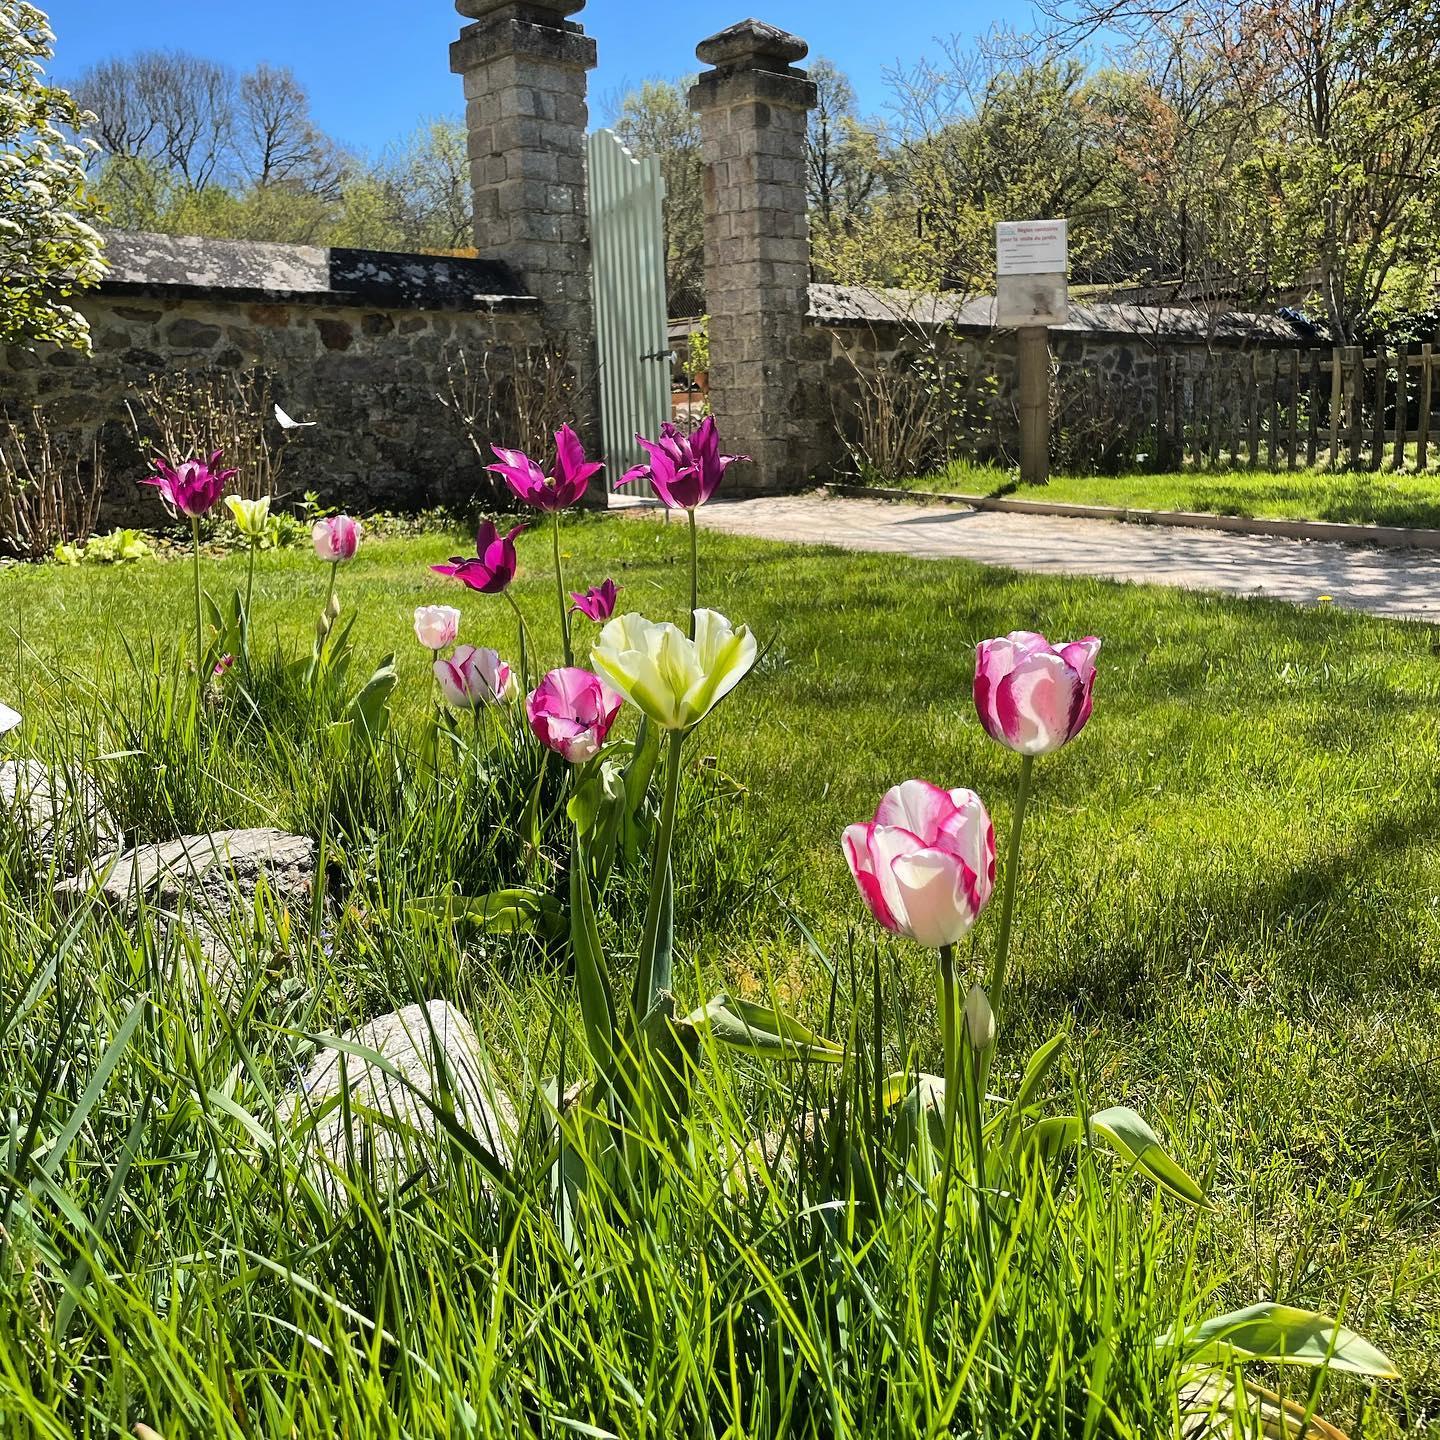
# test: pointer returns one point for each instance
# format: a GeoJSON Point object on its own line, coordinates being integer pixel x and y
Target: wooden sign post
{"type": "Point", "coordinates": [1031, 294]}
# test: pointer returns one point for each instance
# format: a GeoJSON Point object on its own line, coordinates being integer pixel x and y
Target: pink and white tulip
{"type": "Point", "coordinates": [926, 864]}
{"type": "Point", "coordinates": [473, 677]}
{"type": "Point", "coordinates": [436, 626]}
{"type": "Point", "coordinates": [571, 712]}
{"type": "Point", "coordinates": [336, 538]}
{"type": "Point", "coordinates": [1032, 696]}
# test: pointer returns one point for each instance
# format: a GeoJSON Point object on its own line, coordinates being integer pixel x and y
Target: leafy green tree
{"type": "Point", "coordinates": [423, 188]}
{"type": "Point", "coordinates": [1321, 125]}
{"type": "Point", "coordinates": [656, 120]}
{"type": "Point", "coordinates": [49, 250]}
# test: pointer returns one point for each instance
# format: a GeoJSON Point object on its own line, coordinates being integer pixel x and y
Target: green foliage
{"type": "Point", "coordinates": [1237, 866]}
{"type": "Point", "coordinates": [119, 547]}
{"type": "Point", "coordinates": [49, 250]}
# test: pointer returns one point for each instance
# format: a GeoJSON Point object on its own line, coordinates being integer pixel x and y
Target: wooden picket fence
{"type": "Point", "coordinates": [1337, 407]}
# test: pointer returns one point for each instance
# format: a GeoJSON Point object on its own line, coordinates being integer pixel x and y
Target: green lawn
{"type": "Point", "coordinates": [1233, 875]}
{"type": "Point", "coordinates": [1351, 497]}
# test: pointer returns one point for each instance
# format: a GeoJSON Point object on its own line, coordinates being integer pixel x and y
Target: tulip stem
{"type": "Point", "coordinates": [996, 988]}
{"type": "Point", "coordinates": [648, 983]}
{"type": "Point", "coordinates": [975, 1123]}
{"type": "Point", "coordinates": [694, 572]}
{"type": "Point", "coordinates": [950, 1045]}
{"type": "Point", "coordinates": [249, 593]}
{"type": "Point", "coordinates": [199, 605]}
{"type": "Point", "coordinates": [560, 591]}
{"type": "Point", "coordinates": [327, 621]}
{"type": "Point", "coordinates": [524, 642]}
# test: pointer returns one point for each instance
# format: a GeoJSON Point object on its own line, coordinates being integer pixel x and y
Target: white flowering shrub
{"type": "Point", "coordinates": [49, 249]}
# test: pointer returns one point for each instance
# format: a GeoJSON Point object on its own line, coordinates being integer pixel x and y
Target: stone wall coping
{"type": "Point", "coordinates": [861, 306]}
{"type": "Point", "coordinates": [195, 267]}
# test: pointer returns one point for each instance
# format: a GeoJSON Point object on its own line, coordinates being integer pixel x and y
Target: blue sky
{"type": "Point", "coordinates": [374, 74]}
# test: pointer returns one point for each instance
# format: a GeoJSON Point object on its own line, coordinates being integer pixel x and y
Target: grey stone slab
{"type": "Point", "coordinates": [207, 886]}
{"type": "Point", "coordinates": [410, 1041]}
{"type": "Point", "coordinates": [61, 819]}
{"type": "Point", "coordinates": [874, 305]}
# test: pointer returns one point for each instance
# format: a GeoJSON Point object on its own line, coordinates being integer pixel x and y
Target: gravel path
{"type": "Point", "coordinates": [1400, 584]}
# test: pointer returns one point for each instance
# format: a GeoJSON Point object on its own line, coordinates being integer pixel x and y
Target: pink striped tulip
{"type": "Point", "coordinates": [571, 712]}
{"type": "Point", "coordinates": [436, 626]}
{"type": "Point", "coordinates": [474, 677]}
{"type": "Point", "coordinates": [1033, 696]}
{"type": "Point", "coordinates": [926, 864]}
{"type": "Point", "coordinates": [337, 538]}
{"type": "Point", "coordinates": [191, 488]}
{"type": "Point", "coordinates": [493, 565]}
{"type": "Point", "coordinates": [598, 602]}
{"type": "Point", "coordinates": [556, 491]}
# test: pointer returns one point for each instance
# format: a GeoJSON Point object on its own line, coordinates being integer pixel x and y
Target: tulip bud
{"type": "Point", "coordinates": [332, 608]}
{"type": "Point", "coordinates": [979, 1020]}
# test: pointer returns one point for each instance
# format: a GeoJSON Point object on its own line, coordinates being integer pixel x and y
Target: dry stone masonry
{"type": "Point", "coordinates": [358, 341]}
{"type": "Point", "coordinates": [524, 67]}
{"type": "Point", "coordinates": [766, 373]}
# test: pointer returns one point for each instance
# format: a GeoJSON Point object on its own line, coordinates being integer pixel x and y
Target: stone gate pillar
{"type": "Point", "coordinates": [753, 107]}
{"type": "Point", "coordinates": [524, 65]}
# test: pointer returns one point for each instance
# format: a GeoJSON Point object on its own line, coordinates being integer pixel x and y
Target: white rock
{"type": "Point", "coordinates": [60, 816]}
{"type": "Point", "coordinates": [407, 1040]}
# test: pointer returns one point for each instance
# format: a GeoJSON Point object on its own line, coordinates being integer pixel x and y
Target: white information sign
{"type": "Point", "coordinates": [1025, 300]}
{"type": "Point", "coordinates": [1031, 247]}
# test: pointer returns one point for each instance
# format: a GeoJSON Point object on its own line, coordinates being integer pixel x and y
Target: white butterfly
{"type": "Point", "coordinates": [9, 718]}
{"type": "Point", "coordinates": [286, 423]}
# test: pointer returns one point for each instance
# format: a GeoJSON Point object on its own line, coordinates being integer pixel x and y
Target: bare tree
{"type": "Point", "coordinates": [1334, 178]}
{"type": "Point", "coordinates": [175, 108]}
{"type": "Point", "coordinates": [277, 141]}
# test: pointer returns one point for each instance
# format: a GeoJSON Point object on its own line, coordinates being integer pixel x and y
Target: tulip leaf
{"type": "Point", "coordinates": [1039, 1066]}
{"type": "Point", "coordinates": [371, 706]}
{"type": "Point", "coordinates": [1135, 1141]}
{"type": "Point", "coordinates": [502, 912]}
{"type": "Point", "coordinates": [762, 1030]}
{"type": "Point", "coordinates": [1130, 1137]}
{"type": "Point", "coordinates": [921, 1111]}
{"type": "Point", "coordinates": [1283, 1335]}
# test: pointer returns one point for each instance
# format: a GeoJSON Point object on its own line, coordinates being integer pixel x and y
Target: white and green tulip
{"type": "Point", "coordinates": [674, 680]}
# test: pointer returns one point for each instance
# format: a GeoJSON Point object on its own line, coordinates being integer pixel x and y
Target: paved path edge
{"type": "Point", "coordinates": [1386, 537]}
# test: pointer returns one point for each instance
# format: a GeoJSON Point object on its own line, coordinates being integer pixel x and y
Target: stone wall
{"type": "Point", "coordinates": [1107, 369]}
{"type": "Point", "coordinates": [366, 359]}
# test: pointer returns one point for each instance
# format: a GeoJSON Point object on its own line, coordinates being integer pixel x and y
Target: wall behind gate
{"type": "Point", "coordinates": [359, 342]}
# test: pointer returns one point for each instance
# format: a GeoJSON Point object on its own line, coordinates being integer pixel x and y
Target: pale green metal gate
{"type": "Point", "coordinates": [627, 246]}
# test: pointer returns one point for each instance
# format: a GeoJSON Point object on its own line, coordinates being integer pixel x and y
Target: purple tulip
{"type": "Point", "coordinates": [925, 865]}
{"type": "Point", "coordinates": [1032, 696]}
{"type": "Point", "coordinates": [598, 602]}
{"type": "Point", "coordinates": [684, 470]}
{"type": "Point", "coordinates": [571, 712]}
{"type": "Point", "coordinates": [473, 677]}
{"type": "Point", "coordinates": [493, 565]}
{"type": "Point", "coordinates": [336, 538]}
{"type": "Point", "coordinates": [192, 487]}
{"type": "Point", "coordinates": [557, 491]}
